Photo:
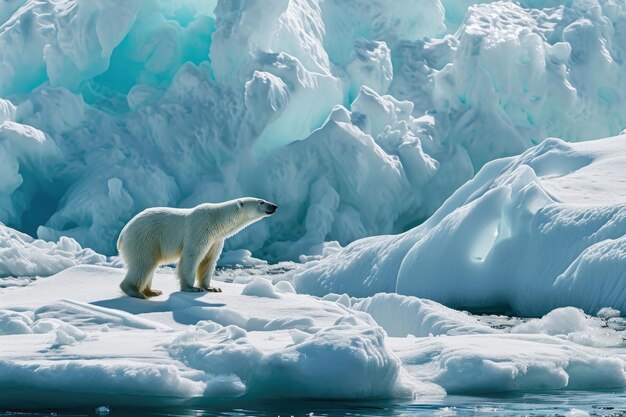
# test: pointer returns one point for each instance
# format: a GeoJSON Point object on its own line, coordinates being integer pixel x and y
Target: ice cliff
{"type": "Point", "coordinates": [358, 118]}
{"type": "Point", "coordinates": [530, 233]}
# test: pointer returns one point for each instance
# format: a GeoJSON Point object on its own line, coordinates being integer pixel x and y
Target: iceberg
{"type": "Point", "coordinates": [526, 235]}
{"type": "Point", "coordinates": [107, 108]}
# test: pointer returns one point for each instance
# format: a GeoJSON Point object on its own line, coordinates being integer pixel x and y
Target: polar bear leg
{"type": "Point", "coordinates": [137, 279]}
{"type": "Point", "coordinates": [207, 266]}
{"type": "Point", "coordinates": [187, 268]}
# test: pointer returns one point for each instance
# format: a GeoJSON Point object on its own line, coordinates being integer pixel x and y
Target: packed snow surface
{"type": "Point", "coordinates": [74, 339]}
{"type": "Point", "coordinates": [358, 118]}
{"type": "Point", "coordinates": [528, 234]}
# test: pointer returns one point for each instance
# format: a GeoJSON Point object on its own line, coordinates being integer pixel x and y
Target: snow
{"type": "Point", "coordinates": [528, 234]}
{"type": "Point", "coordinates": [358, 118]}
{"type": "Point", "coordinates": [472, 364]}
{"type": "Point", "coordinates": [365, 121]}
{"type": "Point", "coordinates": [74, 340]}
{"type": "Point", "coordinates": [260, 287]}
{"type": "Point", "coordinates": [102, 410]}
{"type": "Point", "coordinates": [402, 316]}
{"type": "Point", "coordinates": [575, 412]}
{"type": "Point", "coordinates": [23, 256]}
{"type": "Point", "coordinates": [103, 347]}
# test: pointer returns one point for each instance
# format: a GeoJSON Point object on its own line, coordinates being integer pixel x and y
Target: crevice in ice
{"type": "Point", "coordinates": [484, 242]}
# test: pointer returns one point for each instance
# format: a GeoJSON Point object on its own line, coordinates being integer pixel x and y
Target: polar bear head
{"type": "Point", "coordinates": [255, 208]}
{"type": "Point", "coordinates": [237, 214]}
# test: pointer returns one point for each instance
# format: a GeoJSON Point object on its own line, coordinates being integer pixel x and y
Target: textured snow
{"type": "Point", "coordinates": [73, 340]}
{"type": "Point", "coordinates": [365, 121]}
{"type": "Point", "coordinates": [472, 364]}
{"type": "Point", "coordinates": [23, 256]}
{"type": "Point", "coordinates": [528, 234]}
{"type": "Point", "coordinates": [402, 316]}
{"type": "Point", "coordinates": [100, 346]}
{"type": "Point", "coordinates": [358, 118]}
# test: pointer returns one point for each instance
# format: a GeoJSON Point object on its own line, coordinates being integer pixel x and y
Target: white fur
{"type": "Point", "coordinates": [193, 237]}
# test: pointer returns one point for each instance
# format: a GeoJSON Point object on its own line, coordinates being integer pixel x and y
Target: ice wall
{"type": "Point", "coordinates": [526, 235]}
{"type": "Point", "coordinates": [357, 118]}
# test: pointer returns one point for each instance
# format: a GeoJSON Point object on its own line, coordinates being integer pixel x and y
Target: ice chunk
{"type": "Point", "coordinates": [285, 286]}
{"type": "Point", "coordinates": [260, 287]}
{"type": "Point", "coordinates": [241, 257]}
{"type": "Point", "coordinates": [370, 65]}
{"type": "Point", "coordinates": [102, 410]}
{"type": "Point", "coordinates": [401, 316]}
{"type": "Point", "coordinates": [66, 334]}
{"type": "Point", "coordinates": [608, 312]}
{"type": "Point", "coordinates": [576, 412]}
{"type": "Point", "coordinates": [573, 324]}
{"type": "Point", "coordinates": [25, 256]}
{"type": "Point", "coordinates": [498, 363]}
{"type": "Point", "coordinates": [7, 111]}
{"type": "Point", "coordinates": [13, 322]}
{"type": "Point", "coordinates": [529, 233]}
{"type": "Point", "coordinates": [21, 255]}
{"type": "Point", "coordinates": [346, 360]}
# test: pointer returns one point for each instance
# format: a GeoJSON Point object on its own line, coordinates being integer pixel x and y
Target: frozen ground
{"type": "Point", "coordinates": [358, 118]}
{"type": "Point", "coordinates": [74, 340]}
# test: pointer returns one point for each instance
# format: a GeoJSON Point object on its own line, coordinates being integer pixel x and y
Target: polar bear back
{"type": "Point", "coordinates": [158, 232]}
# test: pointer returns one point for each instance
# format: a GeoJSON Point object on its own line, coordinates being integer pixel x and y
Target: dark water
{"type": "Point", "coordinates": [530, 404]}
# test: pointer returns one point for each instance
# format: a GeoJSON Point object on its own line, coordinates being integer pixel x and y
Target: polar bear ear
{"type": "Point", "coordinates": [239, 203]}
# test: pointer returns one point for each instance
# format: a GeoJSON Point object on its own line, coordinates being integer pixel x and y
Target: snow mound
{"type": "Point", "coordinates": [527, 234]}
{"type": "Point", "coordinates": [401, 316]}
{"type": "Point", "coordinates": [471, 364]}
{"type": "Point", "coordinates": [260, 287]}
{"type": "Point", "coordinates": [23, 256]}
{"type": "Point", "coordinates": [572, 324]}
{"type": "Point", "coordinates": [346, 360]}
{"type": "Point", "coordinates": [357, 118]}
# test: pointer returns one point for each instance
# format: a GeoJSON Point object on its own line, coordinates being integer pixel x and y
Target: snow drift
{"type": "Point", "coordinates": [527, 234]}
{"type": "Point", "coordinates": [358, 119]}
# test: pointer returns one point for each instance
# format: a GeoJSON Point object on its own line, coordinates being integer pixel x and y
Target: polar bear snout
{"type": "Point", "coordinates": [270, 208]}
{"type": "Point", "coordinates": [266, 207]}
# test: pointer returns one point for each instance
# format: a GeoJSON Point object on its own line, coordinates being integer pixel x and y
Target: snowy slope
{"type": "Point", "coordinates": [357, 118]}
{"type": "Point", "coordinates": [527, 234]}
{"type": "Point", "coordinates": [74, 340]}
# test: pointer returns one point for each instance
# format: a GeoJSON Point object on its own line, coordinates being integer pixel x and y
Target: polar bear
{"type": "Point", "coordinates": [193, 237]}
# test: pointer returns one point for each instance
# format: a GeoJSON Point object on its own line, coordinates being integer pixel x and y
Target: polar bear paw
{"type": "Point", "coordinates": [192, 289]}
{"type": "Point", "coordinates": [131, 290]}
{"type": "Point", "coordinates": [149, 292]}
{"type": "Point", "coordinates": [212, 289]}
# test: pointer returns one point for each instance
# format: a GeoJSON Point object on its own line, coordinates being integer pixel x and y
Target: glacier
{"type": "Point", "coordinates": [359, 119]}
{"type": "Point", "coordinates": [527, 234]}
